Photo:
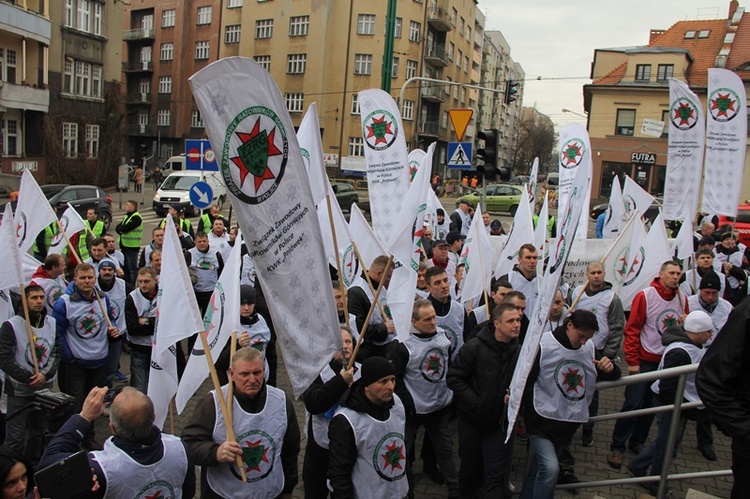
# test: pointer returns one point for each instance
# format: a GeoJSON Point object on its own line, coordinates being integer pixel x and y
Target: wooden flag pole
{"type": "Point", "coordinates": [230, 389]}
{"type": "Point", "coordinates": [338, 259]}
{"type": "Point", "coordinates": [367, 277]}
{"type": "Point", "coordinates": [369, 314]}
{"type": "Point", "coordinates": [222, 402]}
{"type": "Point", "coordinates": [171, 416]}
{"type": "Point", "coordinates": [32, 338]}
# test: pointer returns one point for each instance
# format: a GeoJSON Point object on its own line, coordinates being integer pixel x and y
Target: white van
{"type": "Point", "coordinates": [173, 164]}
{"type": "Point", "coordinates": [175, 191]}
{"type": "Point", "coordinates": [553, 181]}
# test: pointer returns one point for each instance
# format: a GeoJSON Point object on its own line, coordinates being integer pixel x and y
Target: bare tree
{"type": "Point", "coordinates": [536, 139]}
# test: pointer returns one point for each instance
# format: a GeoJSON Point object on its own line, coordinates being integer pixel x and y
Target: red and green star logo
{"type": "Point", "coordinates": [571, 153]}
{"type": "Point", "coordinates": [156, 495]}
{"type": "Point", "coordinates": [257, 146]}
{"type": "Point", "coordinates": [684, 113]}
{"type": "Point", "coordinates": [573, 379]}
{"type": "Point", "coordinates": [254, 454]}
{"type": "Point", "coordinates": [379, 129]}
{"type": "Point", "coordinates": [722, 104]}
{"type": "Point", "coordinates": [393, 455]}
{"type": "Point", "coordinates": [433, 364]}
{"type": "Point", "coordinates": [668, 321]}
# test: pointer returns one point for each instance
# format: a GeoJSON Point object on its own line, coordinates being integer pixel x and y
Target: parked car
{"type": "Point", "coordinates": [741, 224]}
{"type": "Point", "coordinates": [500, 197]}
{"type": "Point", "coordinates": [650, 214]}
{"type": "Point", "coordinates": [175, 191]}
{"type": "Point", "coordinates": [346, 195]}
{"type": "Point", "coordinates": [50, 190]}
{"type": "Point", "coordinates": [83, 197]}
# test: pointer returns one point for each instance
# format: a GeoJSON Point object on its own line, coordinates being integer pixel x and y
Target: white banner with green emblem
{"type": "Point", "coordinates": [575, 150]}
{"type": "Point", "coordinates": [387, 159]}
{"type": "Point", "coordinates": [247, 120]}
{"type": "Point", "coordinates": [726, 139]}
{"type": "Point", "coordinates": [687, 135]}
{"type": "Point", "coordinates": [71, 223]}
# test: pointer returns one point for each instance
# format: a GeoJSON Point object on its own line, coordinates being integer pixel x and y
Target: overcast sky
{"type": "Point", "coordinates": [555, 40]}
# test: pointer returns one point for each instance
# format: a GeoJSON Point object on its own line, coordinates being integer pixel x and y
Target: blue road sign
{"type": "Point", "coordinates": [199, 155]}
{"type": "Point", "coordinates": [201, 195]}
{"type": "Point", "coordinates": [459, 155]}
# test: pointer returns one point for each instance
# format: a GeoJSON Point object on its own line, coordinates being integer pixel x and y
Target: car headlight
{"type": "Point", "coordinates": [185, 197]}
{"type": "Point", "coordinates": [156, 197]}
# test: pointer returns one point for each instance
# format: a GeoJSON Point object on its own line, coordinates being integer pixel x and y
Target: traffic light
{"type": "Point", "coordinates": [511, 90]}
{"type": "Point", "coordinates": [488, 154]}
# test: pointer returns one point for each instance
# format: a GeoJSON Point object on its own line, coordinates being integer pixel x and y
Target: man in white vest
{"type": "Point", "coordinates": [461, 219]}
{"type": "Point", "coordinates": [98, 252]}
{"type": "Point", "coordinates": [451, 315]}
{"type": "Point", "coordinates": [24, 432]}
{"type": "Point", "coordinates": [50, 276]}
{"type": "Point", "coordinates": [157, 241]}
{"type": "Point", "coordinates": [367, 448]}
{"type": "Point", "coordinates": [138, 460]}
{"type": "Point", "coordinates": [523, 277]}
{"type": "Point", "coordinates": [421, 363]}
{"type": "Point", "coordinates": [113, 253]}
{"type": "Point", "coordinates": [733, 264]}
{"type": "Point", "coordinates": [207, 263]}
{"type": "Point", "coordinates": [684, 345]}
{"type": "Point", "coordinates": [442, 226]}
{"type": "Point", "coordinates": [218, 238]}
{"type": "Point", "coordinates": [654, 309]}
{"type": "Point", "coordinates": [266, 431]}
{"type": "Point", "coordinates": [704, 262]}
{"type": "Point", "coordinates": [380, 331]}
{"type": "Point", "coordinates": [141, 308]}
{"type": "Point", "coordinates": [117, 291]}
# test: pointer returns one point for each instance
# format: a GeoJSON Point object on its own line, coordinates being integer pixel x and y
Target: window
{"type": "Point", "coordinates": [366, 24]}
{"type": "Point", "coordinates": [167, 51]}
{"type": "Point", "coordinates": [11, 138]}
{"type": "Point", "coordinates": [466, 64]}
{"type": "Point", "coordinates": [8, 65]}
{"type": "Point", "coordinates": [143, 118]}
{"type": "Point", "coordinates": [407, 111]}
{"type": "Point", "coordinates": [414, 29]}
{"type": "Point", "coordinates": [202, 49]}
{"type": "Point", "coordinates": [83, 78]}
{"type": "Point", "coordinates": [690, 34]}
{"type": "Point", "coordinates": [167, 18]}
{"type": "Point", "coordinates": [468, 34]}
{"type": "Point", "coordinates": [232, 33]}
{"type": "Point", "coordinates": [196, 121]}
{"type": "Point", "coordinates": [643, 72]}
{"type": "Point", "coordinates": [665, 119]}
{"type": "Point", "coordinates": [451, 49]}
{"type": "Point", "coordinates": [459, 57]}
{"type": "Point", "coordinates": [447, 88]}
{"type": "Point", "coordinates": [461, 26]}
{"type": "Point", "coordinates": [70, 139]}
{"type": "Point", "coordinates": [355, 104]}
{"type": "Point", "coordinates": [84, 15]}
{"type": "Point", "coordinates": [394, 68]}
{"type": "Point", "coordinates": [444, 122]}
{"type": "Point", "coordinates": [665, 71]}
{"type": "Point", "coordinates": [162, 117]}
{"type": "Point", "coordinates": [165, 84]}
{"type": "Point", "coordinates": [704, 33]}
{"type": "Point", "coordinates": [145, 54]}
{"type": "Point", "coordinates": [263, 60]}
{"type": "Point", "coordinates": [455, 91]}
{"type": "Point", "coordinates": [144, 86]}
{"type": "Point", "coordinates": [233, 4]}
{"type": "Point", "coordinates": [362, 64]}
{"type": "Point", "coordinates": [68, 77]}
{"type": "Point", "coordinates": [356, 146]}
{"type": "Point", "coordinates": [204, 15]}
{"type": "Point", "coordinates": [296, 63]}
{"type": "Point", "coordinates": [463, 95]}
{"type": "Point", "coordinates": [625, 122]}
{"type": "Point", "coordinates": [96, 81]}
{"type": "Point", "coordinates": [69, 16]}
{"type": "Point", "coordinates": [454, 15]}
{"type": "Point", "coordinates": [411, 69]}
{"type": "Point", "coordinates": [98, 19]}
{"type": "Point", "coordinates": [397, 27]}
{"type": "Point", "coordinates": [294, 102]}
{"type": "Point", "coordinates": [92, 141]}
{"type": "Point", "coordinates": [264, 28]}
{"type": "Point", "coordinates": [299, 26]}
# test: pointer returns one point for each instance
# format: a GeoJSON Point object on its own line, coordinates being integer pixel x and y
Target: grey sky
{"type": "Point", "coordinates": [556, 39]}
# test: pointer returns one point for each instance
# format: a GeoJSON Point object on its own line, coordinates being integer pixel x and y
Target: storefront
{"type": "Point", "coordinates": [644, 161]}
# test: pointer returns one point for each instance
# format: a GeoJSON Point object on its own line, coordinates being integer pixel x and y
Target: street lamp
{"type": "Point", "coordinates": [566, 110]}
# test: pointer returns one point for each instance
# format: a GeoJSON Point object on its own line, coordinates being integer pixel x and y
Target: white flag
{"type": "Point", "coordinates": [33, 212]}
{"type": "Point", "coordinates": [687, 136]}
{"type": "Point", "coordinates": [684, 241]}
{"type": "Point", "coordinates": [369, 245]}
{"type": "Point", "coordinates": [477, 259]}
{"type": "Point", "coordinates": [433, 205]}
{"type": "Point", "coordinates": [531, 186]}
{"type": "Point", "coordinates": [575, 152]}
{"type": "Point", "coordinates": [387, 159]}
{"type": "Point", "coordinates": [415, 158]}
{"type": "Point", "coordinates": [616, 261]}
{"type": "Point", "coordinates": [726, 138]}
{"type": "Point", "coordinates": [12, 274]}
{"type": "Point", "coordinates": [541, 234]}
{"type": "Point", "coordinates": [162, 383]}
{"type": "Point", "coordinates": [71, 223]}
{"type": "Point", "coordinates": [616, 217]}
{"type": "Point", "coordinates": [222, 317]}
{"type": "Point", "coordinates": [263, 169]}
{"type": "Point", "coordinates": [646, 261]}
{"type": "Point", "coordinates": [635, 198]}
{"type": "Point", "coordinates": [308, 136]}
{"type": "Point", "coordinates": [348, 263]}
{"type": "Point", "coordinates": [522, 232]}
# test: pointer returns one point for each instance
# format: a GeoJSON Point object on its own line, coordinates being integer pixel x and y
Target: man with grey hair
{"type": "Point", "coordinates": [137, 458]}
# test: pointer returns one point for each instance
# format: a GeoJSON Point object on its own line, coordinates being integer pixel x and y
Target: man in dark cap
{"type": "Point", "coordinates": [461, 219]}
{"type": "Point", "coordinates": [367, 451]}
{"type": "Point", "coordinates": [496, 228]}
{"type": "Point", "coordinates": [704, 263]}
{"type": "Point", "coordinates": [442, 227]}
{"type": "Point", "coordinates": [441, 258]}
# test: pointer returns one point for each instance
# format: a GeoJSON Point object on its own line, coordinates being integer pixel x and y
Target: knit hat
{"type": "Point", "coordinates": [375, 368]}
{"type": "Point", "coordinates": [728, 235]}
{"type": "Point", "coordinates": [710, 281]}
{"type": "Point", "coordinates": [698, 322]}
{"type": "Point", "coordinates": [453, 236]}
{"type": "Point", "coordinates": [247, 295]}
{"type": "Point", "coordinates": [107, 263]}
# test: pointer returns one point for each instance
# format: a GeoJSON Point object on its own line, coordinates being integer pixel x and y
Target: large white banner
{"type": "Point", "coordinates": [616, 216]}
{"type": "Point", "coordinates": [12, 274]}
{"type": "Point", "coordinates": [387, 159]}
{"type": "Point", "coordinates": [726, 140]}
{"type": "Point", "coordinates": [477, 259]}
{"type": "Point", "coordinates": [33, 212]}
{"type": "Point", "coordinates": [575, 151]}
{"type": "Point", "coordinates": [687, 135]}
{"type": "Point", "coordinates": [247, 120]}
{"type": "Point", "coordinates": [312, 152]}
{"type": "Point", "coordinates": [635, 198]}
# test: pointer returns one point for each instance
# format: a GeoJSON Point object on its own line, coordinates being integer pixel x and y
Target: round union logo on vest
{"type": "Point", "coordinates": [114, 309]}
{"type": "Point", "coordinates": [667, 319]}
{"type": "Point", "coordinates": [683, 114]}
{"type": "Point", "coordinates": [54, 292]}
{"type": "Point", "coordinates": [156, 490]}
{"type": "Point", "coordinates": [380, 130]}
{"type": "Point", "coordinates": [451, 334]}
{"type": "Point", "coordinates": [256, 144]}
{"type": "Point", "coordinates": [432, 367]}
{"type": "Point", "coordinates": [569, 378]}
{"type": "Point", "coordinates": [42, 348]}
{"type": "Point", "coordinates": [205, 264]}
{"type": "Point", "coordinates": [258, 342]}
{"type": "Point", "coordinates": [87, 326]}
{"type": "Point", "coordinates": [571, 153]}
{"type": "Point", "coordinates": [258, 453]}
{"type": "Point", "coordinates": [389, 458]}
{"type": "Point", "coordinates": [723, 105]}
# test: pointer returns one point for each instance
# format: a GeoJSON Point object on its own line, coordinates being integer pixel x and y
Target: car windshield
{"type": "Point", "coordinates": [178, 183]}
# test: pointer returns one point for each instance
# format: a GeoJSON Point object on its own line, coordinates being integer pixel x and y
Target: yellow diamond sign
{"type": "Point", "coordinates": [460, 119]}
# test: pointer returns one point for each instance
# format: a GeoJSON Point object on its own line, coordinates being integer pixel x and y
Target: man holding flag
{"type": "Point", "coordinates": [380, 330]}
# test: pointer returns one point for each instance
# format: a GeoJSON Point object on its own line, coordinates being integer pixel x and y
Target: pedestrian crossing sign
{"type": "Point", "coordinates": [459, 155]}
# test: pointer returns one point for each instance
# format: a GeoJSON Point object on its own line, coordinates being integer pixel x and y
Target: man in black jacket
{"type": "Point", "coordinates": [479, 378]}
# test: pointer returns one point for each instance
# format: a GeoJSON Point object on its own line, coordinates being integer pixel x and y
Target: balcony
{"type": "Point", "coordinates": [435, 54]}
{"type": "Point", "coordinates": [138, 34]}
{"type": "Point", "coordinates": [25, 22]}
{"type": "Point", "coordinates": [433, 92]}
{"type": "Point", "coordinates": [139, 129]}
{"type": "Point", "coordinates": [138, 67]}
{"type": "Point", "coordinates": [430, 128]}
{"type": "Point", "coordinates": [24, 97]}
{"type": "Point", "coordinates": [135, 98]}
{"type": "Point", "coordinates": [438, 17]}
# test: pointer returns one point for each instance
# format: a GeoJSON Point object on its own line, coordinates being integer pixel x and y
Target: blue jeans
{"type": "Point", "coordinates": [541, 479]}
{"type": "Point", "coordinates": [140, 363]}
{"type": "Point", "coordinates": [113, 361]}
{"type": "Point", "coordinates": [653, 455]}
{"type": "Point", "coordinates": [638, 396]}
{"type": "Point", "coordinates": [480, 449]}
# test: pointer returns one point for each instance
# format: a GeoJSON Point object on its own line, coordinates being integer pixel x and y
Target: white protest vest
{"type": "Point", "coordinates": [421, 294]}
{"type": "Point", "coordinates": [118, 257]}
{"type": "Point", "coordinates": [247, 276]}
{"type": "Point", "coordinates": [127, 478]}
{"type": "Point", "coordinates": [528, 288]}
{"type": "Point", "coordinates": [380, 469]}
{"type": "Point", "coordinates": [693, 280]}
{"type": "Point", "coordinates": [696, 354]}
{"type": "Point", "coordinates": [43, 345]}
{"type": "Point", "coordinates": [719, 315]}
{"type": "Point", "coordinates": [441, 230]}
{"type": "Point", "coordinates": [220, 244]}
{"type": "Point", "coordinates": [261, 436]}
{"type": "Point", "coordinates": [598, 305]}
{"type": "Point", "coordinates": [260, 335]}
{"type": "Point", "coordinates": [735, 259]}
{"type": "Point", "coordinates": [117, 297]}
{"type": "Point", "coordinates": [377, 317]}
{"type": "Point", "coordinates": [465, 221]}
{"type": "Point", "coordinates": [453, 325]}
{"type": "Point", "coordinates": [206, 267]}
{"type": "Point", "coordinates": [147, 254]}
{"type": "Point", "coordinates": [145, 308]}
{"type": "Point", "coordinates": [87, 329]}
{"type": "Point", "coordinates": [320, 422]}
{"type": "Point", "coordinates": [660, 314]}
{"type": "Point", "coordinates": [550, 324]}
{"type": "Point", "coordinates": [565, 385]}
{"type": "Point", "coordinates": [425, 372]}
{"type": "Point", "coordinates": [53, 289]}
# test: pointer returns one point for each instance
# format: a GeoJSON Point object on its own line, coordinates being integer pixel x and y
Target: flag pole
{"type": "Point", "coordinates": [222, 402]}
{"type": "Point", "coordinates": [367, 277]}
{"type": "Point", "coordinates": [369, 314]}
{"type": "Point", "coordinates": [230, 389]}
{"type": "Point", "coordinates": [32, 339]}
{"type": "Point", "coordinates": [171, 415]}
{"type": "Point", "coordinates": [338, 259]}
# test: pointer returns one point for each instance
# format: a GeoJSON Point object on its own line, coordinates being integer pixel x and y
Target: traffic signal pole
{"type": "Point", "coordinates": [390, 29]}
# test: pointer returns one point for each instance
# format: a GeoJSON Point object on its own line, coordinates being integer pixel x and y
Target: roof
{"type": "Point", "coordinates": [740, 53]}
{"type": "Point", "coordinates": [613, 77]}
